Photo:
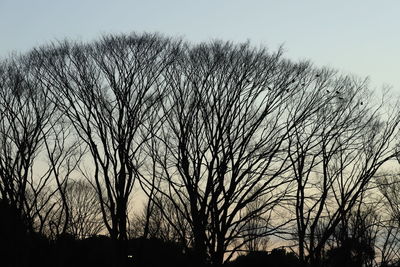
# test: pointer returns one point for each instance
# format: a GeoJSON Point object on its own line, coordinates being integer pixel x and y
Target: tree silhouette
{"type": "Point", "coordinates": [334, 157]}
{"type": "Point", "coordinates": [224, 140]}
{"type": "Point", "coordinates": [232, 147]}
{"type": "Point", "coordinates": [85, 214]}
{"type": "Point", "coordinates": [107, 91]}
{"type": "Point", "coordinates": [28, 120]}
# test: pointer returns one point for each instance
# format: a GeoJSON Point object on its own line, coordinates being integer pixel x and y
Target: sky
{"type": "Point", "coordinates": [359, 37]}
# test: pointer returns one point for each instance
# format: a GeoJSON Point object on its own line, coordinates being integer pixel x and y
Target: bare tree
{"type": "Point", "coordinates": [223, 143]}
{"type": "Point", "coordinates": [334, 156]}
{"type": "Point", "coordinates": [108, 90]}
{"type": "Point", "coordinates": [161, 221]}
{"type": "Point", "coordinates": [84, 209]}
{"type": "Point", "coordinates": [388, 241]}
{"type": "Point", "coordinates": [27, 116]}
{"type": "Point", "coordinates": [255, 234]}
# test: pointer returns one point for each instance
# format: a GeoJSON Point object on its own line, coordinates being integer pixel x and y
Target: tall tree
{"type": "Point", "coordinates": [224, 141]}
{"type": "Point", "coordinates": [27, 118]}
{"type": "Point", "coordinates": [334, 156]}
{"type": "Point", "coordinates": [108, 90]}
{"type": "Point", "coordinates": [388, 241]}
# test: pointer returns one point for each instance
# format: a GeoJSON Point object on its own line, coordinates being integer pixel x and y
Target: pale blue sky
{"type": "Point", "coordinates": [354, 36]}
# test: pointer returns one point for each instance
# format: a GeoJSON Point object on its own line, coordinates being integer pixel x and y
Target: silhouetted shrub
{"type": "Point", "coordinates": [19, 247]}
{"type": "Point", "coordinates": [352, 253]}
{"type": "Point", "coordinates": [276, 258]}
{"type": "Point", "coordinates": [156, 252]}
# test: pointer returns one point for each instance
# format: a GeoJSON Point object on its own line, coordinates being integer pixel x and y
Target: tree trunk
{"type": "Point", "coordinates": [200, 249]}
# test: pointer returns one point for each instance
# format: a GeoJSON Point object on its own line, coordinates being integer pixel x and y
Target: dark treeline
{"type": "Point", "coordinates": [147, 150]}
